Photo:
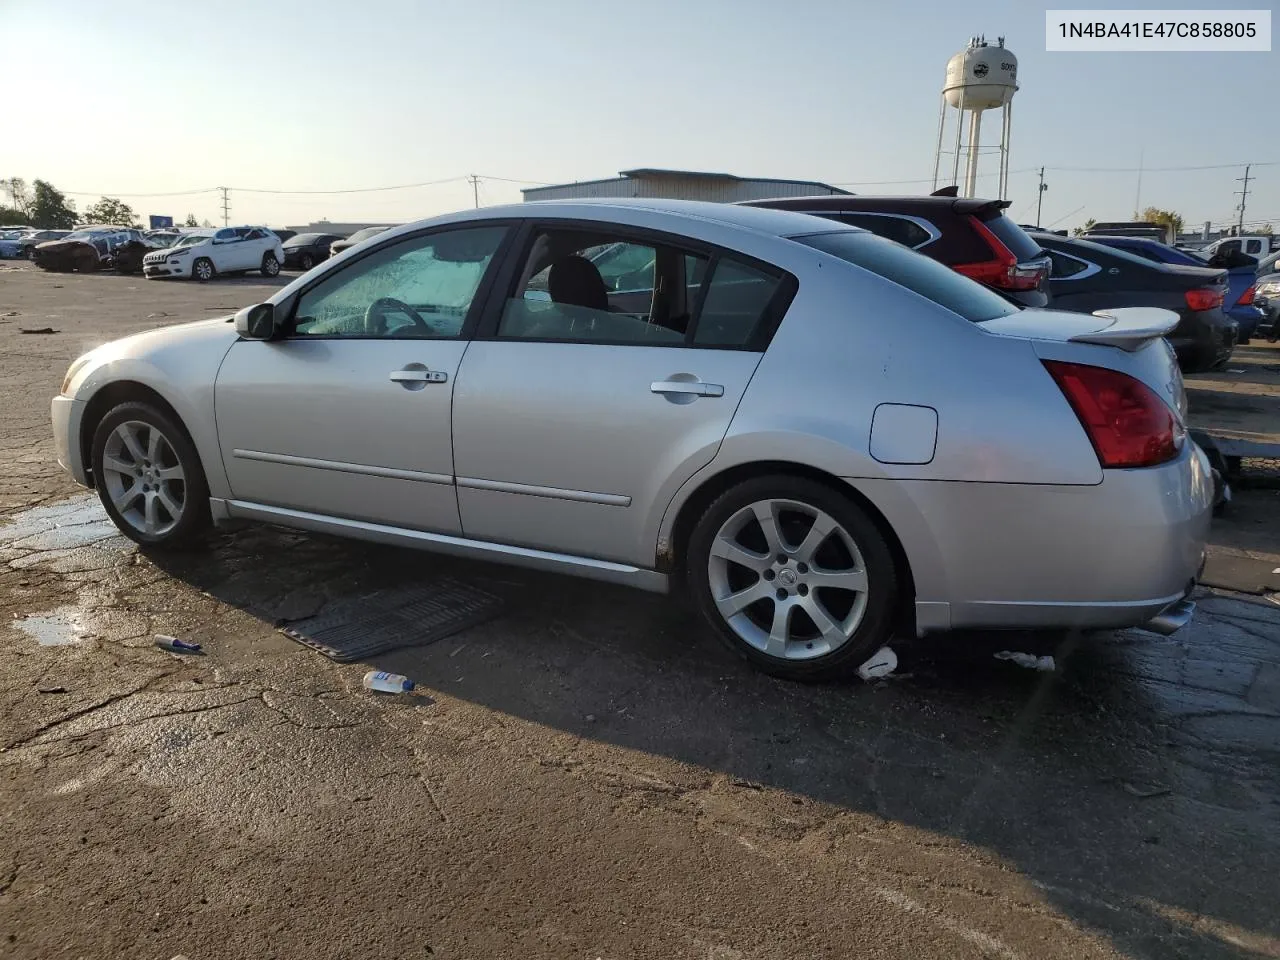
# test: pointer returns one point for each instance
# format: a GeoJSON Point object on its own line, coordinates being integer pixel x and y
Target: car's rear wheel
{"type": "Point", "coordinates": [306, 261]}
{"type": "Point", "coordinates": [87, 262]}
{"type": "Point", "coordinates": [793, 576]}
{"type": "Point", "coordinates": [202, 269]}
{"type": "Point", "coordinates": [270, 265]}
{"type": "Point", "coordinates": [149, 477]}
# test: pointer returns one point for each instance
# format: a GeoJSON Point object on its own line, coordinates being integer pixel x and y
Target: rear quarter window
{"type": "Point", "coordinates": [918, 273]}
{"type": "Point", "coordinates": [1013, 237]}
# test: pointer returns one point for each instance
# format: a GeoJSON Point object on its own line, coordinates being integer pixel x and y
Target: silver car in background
{"type": "Point", "coordinates": [823, 435]}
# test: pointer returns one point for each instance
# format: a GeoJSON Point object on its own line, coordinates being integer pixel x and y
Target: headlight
{"type": "Point", "coordinates": [76, 366]}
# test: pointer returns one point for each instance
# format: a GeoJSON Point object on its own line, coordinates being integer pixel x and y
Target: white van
{"type": "Point", "coordinates": [203, 254]}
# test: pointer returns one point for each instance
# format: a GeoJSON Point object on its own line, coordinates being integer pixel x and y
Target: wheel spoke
{"type": "Point", "coordinates": [116, 465]}
{"type": "Point", "coordinates": [123, 499]}
{"type": "Point", "coordinates": [735, 603]}
{"type": "Point", "coordinates": [727, 549]}
{"type": "Point", "coordinates": [854, 580]}
{"type": "Point", "coordinates": [768, 521]}
{"type": "Point", "coordinates": [152, 511]}
{"type": "Point", "coordinates": [779, 630]}
{"type": "Point", "coordinates": [154, 441]}
{"type": "Point", "coordinates": [171, 473]}
{"type": "Point", "coordinates": [823, 526]}
{"type": "Point", "coordinates": [831, 631]}
{"type": "Point", "coordinates": [126, 434]}
{"type": "Point", "coordinates": [166, 501]}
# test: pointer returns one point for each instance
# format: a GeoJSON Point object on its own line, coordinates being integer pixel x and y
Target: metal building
{"type": "Point", "coordinates": [682, 185]}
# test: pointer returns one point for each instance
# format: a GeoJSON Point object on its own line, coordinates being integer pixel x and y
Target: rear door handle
{"type": "Point", "coordinates": [689, 388]}
{"type": "Point", "coordinates": [418, 376]}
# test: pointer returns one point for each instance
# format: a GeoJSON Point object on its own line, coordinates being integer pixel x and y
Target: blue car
{"type": "Point", "coordinates": [1238, 304]}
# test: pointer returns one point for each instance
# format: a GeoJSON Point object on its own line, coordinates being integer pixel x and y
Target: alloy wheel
{"type": "Point", "coordinates": [203, 270]}
{"type": "Point", "coordinates": [144, 478]}
{"type": "Point", "coordinates": [788, 579]}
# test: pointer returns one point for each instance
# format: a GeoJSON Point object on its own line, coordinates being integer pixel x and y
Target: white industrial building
{"type": "Point", "coordinates": [682, 185]}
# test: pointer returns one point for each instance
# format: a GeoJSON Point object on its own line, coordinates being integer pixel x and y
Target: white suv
{"type": "Point", "coordinates": [205, 254]}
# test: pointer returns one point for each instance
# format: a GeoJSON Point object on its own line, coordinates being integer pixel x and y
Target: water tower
{"type": "Point", "coordinates": [979, 77]}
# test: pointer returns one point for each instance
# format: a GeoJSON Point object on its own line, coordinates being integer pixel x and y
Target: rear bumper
{"type": "Point", "coordinates": [1114, 554]}
{"type": "Point", "coordinates": [1247, 319]}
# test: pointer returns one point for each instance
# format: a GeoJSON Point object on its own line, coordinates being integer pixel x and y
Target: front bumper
{"type": "Point", "coordinates": [165, 269]}
{"type": "Point", "coordinates": [67, 414]}
{"type": "Point", "coordinates": [1114, 554]}
{"type": "Point", "coordinates": [1247, 319]}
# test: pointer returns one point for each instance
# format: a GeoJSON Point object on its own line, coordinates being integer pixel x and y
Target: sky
{"type": "Point", "coordinates": [130, 99]}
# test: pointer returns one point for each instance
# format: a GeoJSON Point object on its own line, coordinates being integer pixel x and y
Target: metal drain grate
{"type": "Point", "coordinates": [388, 619]}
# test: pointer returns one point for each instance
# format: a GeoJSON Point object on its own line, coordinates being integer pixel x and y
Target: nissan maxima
{"type": "Point", "coordinates": [820, 434]}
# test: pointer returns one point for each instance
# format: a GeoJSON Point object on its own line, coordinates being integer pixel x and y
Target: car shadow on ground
{"type": "Point", "coordinates": [1132, 785]}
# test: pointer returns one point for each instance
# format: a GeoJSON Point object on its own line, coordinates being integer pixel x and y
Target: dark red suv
{"type": "Point", "coordinates": [973, 237]}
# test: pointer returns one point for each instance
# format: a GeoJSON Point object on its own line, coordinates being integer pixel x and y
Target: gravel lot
{"type": "Point", "coordinates": [588, 775]}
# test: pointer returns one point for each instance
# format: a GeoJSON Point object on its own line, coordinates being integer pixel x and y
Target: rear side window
{"type": "Point", "coordinates": [1014, 237]}
{"type": "Point", "coordinates": [1065, 266]}
{"type": "Point", "coordinates": [900, 230]}
{"type": "Point", "coordinates": [927, 277]}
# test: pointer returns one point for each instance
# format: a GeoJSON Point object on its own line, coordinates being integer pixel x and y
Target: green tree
{"type": "Point", "coordinates": [191, 221]}
{"type": "Point", "coordinates": [50, 210]}
{"type": "Point", "coordinates": [1163, 217]}
{"type": "Point", "coordinates": [113, 211]}
{"type": "Point", "coordinates": [19, 196]}
{"type": "Point", "coordinates": [1264, 230]}
{"type": "Point", "coordinates": [1088, 225]}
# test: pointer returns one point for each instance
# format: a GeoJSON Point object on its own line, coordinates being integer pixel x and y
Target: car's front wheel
{"type": "Point", "coordinates": [306, 261]}
{"type": "Point", "coordinates": [793, 576]}
{"type": "Point", "coordinates": [202, 269]}
{"type": "Point", "coordinates": [270, 265]}
{"type": "Point", "coordinates": [149, 477]}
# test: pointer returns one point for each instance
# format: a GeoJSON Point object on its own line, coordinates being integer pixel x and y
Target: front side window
{"type": "Point", "coordinates": [918, 273]}
{"type": "Point", "coordinates": [588, 287]}
{"type": "Point", "coordinates": [422, 287]}
{"type": "Point", "coordinates": [226, 235]}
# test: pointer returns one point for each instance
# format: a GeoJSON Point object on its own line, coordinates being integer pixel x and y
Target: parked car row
{"type": "Point", "coordinates": [205, 254]}
{"type": "Point", "coordinates": [22, 241]}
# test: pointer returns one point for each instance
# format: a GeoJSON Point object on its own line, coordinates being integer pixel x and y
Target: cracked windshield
{"type": "Point", "coordinates": [459, 500]}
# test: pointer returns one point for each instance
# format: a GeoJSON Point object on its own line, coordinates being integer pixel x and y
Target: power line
{"type": "Point", "coordinates": [399, 186]}
{"type": "Point", "coordinates": [114, 193]}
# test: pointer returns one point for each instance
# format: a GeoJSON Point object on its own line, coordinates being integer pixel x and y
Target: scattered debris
{"type": "Point", "coordinates": [590, 718]}
{"type": "Point", "coordinates": [54, 689]}
{"type": "Point", "coordinates": [11, 313]}
{"type": "Point", "coordinates": [153, 316]}
{"type": "Point", "coordinates": [384, 682]}
{"type": "Point", "coordinates": [1236, 370]}
{"type": "Point", "coordinates": [36, 330]}
{"type": "Point", "coordinates": [1144, 793]}
{"type": "Point", "coordinates": [1028, 660]}
{"type": "Point", "coordinates": [881, 664]}
{"type": "Point", "coordinates": [174, 645]}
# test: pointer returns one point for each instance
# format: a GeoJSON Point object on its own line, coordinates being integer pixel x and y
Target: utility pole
{"type": "Point", "coordinates": [1040, 196]}
{"type": "Point", "coordinates": [1244, 196]}
{"type": "Point", "coordinates": [475, 189]}
{"type": "Point", "coordinates": [1137, 196]}
{"type": "Point", "coordinates": [226, 205]}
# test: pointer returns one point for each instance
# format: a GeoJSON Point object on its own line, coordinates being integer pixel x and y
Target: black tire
{"type": "Point", "coordinates": [30, 253]}
{"type": "Point", "coordinates": [877, 622]}
{"type": "Point", "coordinates": [270, 265]}
{"type": "Point", "coordinates": [87, 263]}
{"type": "Point", "coordinates": [195, 520]}
{"type": "Point", "coordinates": [202, 270]}
{"type": "Point", "coordinates": [306, 261]}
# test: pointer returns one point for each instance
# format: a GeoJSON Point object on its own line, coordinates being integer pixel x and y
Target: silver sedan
{"type": "Point", "coordinates": [824, 436]}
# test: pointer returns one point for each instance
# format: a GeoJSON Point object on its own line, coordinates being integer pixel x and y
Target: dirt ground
{"type": "Point", "coordinates": [588, 775]}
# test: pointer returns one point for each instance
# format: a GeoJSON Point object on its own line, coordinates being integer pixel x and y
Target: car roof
{"type": "Point", "coordinates": [760, 220]}
{"type": "Point", "coordinates": [835, 203]}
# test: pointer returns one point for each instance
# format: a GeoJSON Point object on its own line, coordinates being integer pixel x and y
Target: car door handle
{"type": "Point", "coordinates": [418, 376]}
{"type": "Point", "coordinates": [689, 388]}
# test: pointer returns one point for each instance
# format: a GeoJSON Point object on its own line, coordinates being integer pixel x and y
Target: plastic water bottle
{"type": "Point", "coordinates": [174, 645]}
{"type": "Point", "coordinates": [385, 682]}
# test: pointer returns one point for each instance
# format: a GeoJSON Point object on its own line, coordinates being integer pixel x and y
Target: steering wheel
{"type": "Point", "coordinates": [375, 320]}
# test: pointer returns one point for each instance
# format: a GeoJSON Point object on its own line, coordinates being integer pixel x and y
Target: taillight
{"type": "Point", "coordinates": [1003, 270]}
{"type": "Point", "coordinates": [1127, 423]}
{"type": "Point", "coordinates": [1246, 298]}
{"type": "Point", "coordinates": [1204, 298]}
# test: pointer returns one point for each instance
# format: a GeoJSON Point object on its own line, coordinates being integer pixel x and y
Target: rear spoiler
{"type": "Point", "coordinates": [1130, 328]}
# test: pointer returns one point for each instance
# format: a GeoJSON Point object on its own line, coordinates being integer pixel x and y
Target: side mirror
{"type": "Point", "coordinates": [257, 322]}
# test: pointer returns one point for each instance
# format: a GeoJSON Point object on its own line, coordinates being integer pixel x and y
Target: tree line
{"type": "Point", "coordinates": [45, 207]}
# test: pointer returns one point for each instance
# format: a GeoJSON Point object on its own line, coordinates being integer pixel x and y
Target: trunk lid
{"type": "Point", "coordinates": [1128, 339]}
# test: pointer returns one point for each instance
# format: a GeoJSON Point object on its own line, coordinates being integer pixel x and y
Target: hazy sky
{"type": "Point", "coordinates": [133, 98]}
